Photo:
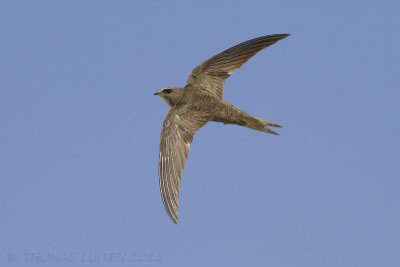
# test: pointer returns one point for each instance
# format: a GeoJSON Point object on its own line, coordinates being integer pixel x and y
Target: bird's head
{"type": "Point", "coordinates": [171, 95]}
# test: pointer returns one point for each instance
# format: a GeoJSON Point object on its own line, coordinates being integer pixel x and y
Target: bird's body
{"type": "Point", "coordinates": [199, 102]}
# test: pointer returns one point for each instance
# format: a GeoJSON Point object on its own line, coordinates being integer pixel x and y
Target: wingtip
{"type": "Point", "coordinates": [174, 217]}
{"type": "Point", "coordinates": [282, 35]}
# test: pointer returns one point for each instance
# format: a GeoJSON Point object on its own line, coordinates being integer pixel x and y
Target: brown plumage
{"type": "Point", "coordinates": [199, 102]}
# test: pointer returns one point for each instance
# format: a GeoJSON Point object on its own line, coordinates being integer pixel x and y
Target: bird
{"type": "Point", "coordinates": [199, 102]}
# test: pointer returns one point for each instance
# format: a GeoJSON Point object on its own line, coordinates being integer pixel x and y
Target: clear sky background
{"type": "Point", "coordinates": [80, 130]}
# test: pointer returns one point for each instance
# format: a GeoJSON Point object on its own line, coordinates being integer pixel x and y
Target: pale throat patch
{"type": "Point", "coordinates": [163, 99]}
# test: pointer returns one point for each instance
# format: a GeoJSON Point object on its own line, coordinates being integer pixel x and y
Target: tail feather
{"type": "Point", "coordinates": [268, 123]}
{"type": "Point", "coordinates": [229, 114]}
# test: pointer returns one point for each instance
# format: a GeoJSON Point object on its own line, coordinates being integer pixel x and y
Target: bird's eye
{"type": "Point", "coordinates": [167, 91]}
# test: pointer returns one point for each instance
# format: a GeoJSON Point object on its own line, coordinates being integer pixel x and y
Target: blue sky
{"type": "Point", "coordinates": [80, 134]}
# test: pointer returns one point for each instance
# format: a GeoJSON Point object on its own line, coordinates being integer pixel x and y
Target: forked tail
{"type": "Point", "coordinates": [264, 127]}
{"type": "Point", "coordinates": [232, 115]}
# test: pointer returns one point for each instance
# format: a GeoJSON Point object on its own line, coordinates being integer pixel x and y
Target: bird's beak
{"type": "Point", "coordinates": [156, 93]}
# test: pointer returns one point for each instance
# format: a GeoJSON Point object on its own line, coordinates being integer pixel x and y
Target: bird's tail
{"type": "Point", "coordinates": [262, 126]}
{"type": "Point", "coordinates": [230, 114]}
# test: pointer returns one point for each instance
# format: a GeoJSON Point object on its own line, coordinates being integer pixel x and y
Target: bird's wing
{"type": "Point", "coordinates": [211, 74]}
{"type": "Point", "coordinates": [176, 136]}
